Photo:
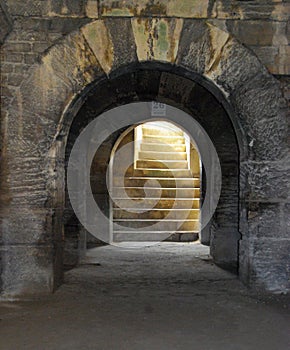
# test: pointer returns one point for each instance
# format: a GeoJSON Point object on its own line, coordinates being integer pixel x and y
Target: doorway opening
{"type": "Point", "coordinates": [157, 197]}
{"type": "Point", "coordinates": [201, 111]}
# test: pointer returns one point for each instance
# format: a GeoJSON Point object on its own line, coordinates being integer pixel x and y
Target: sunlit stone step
{"type": "Point", "coordinates": [157, 147]}
{"type": "Point", "coordinates": [139, 192]}
{"type": "Point", "coordinates": [162, 155]}
{"type": "Point", "coordinates": [162, 164]}
{"type": "Point", "coordinates": [152, 236]}
{"type": "Point", "coordinates": [151, 203]}
{"type": "Point", "coordinates": [126, 236]}
{"type": "Point", "coordinates": [163, 181]}
{"type": "Point", "coordinates": [151, 225]}
{"type": "Point", "coordinates": [163, 196]}
{"type": "Point", "coordinates": [156, 214]}
{"type": "Point", "coordinates": [170, 140]}
{"type": "Point", "coordinates": [173, 173]}
{"type": "Point", "coordinates": [155, 131]}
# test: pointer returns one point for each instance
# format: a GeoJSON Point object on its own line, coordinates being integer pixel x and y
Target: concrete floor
{"type": "Point", "coordinates": [169, 296]}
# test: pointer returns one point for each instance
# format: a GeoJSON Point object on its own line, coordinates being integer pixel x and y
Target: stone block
{"type": "Point", "coordinates": [67, 8]}
{"type": "Point", "coordinates": [283, 60]}
{"type": "Point", "coordinates": [266, 220]}
{"type": "Point", "coordinates": [99, 39]}
{"type": "Point", "coordinates": [28, 8]}
{"type": "Point", "coordinates": [91, 8]}
{"type": "Point", "coordinates": [160, 8]}
{"type": "Point", "coordinates": [30, 58]}
{"type": "Point", "coordinates": [46, 8]}
{"type": "Point", "coordinates": [224, 248]}
{"type": "Point", "coordinates": [275, 10]}
{"type": "Point", "coordinates": [12, 57]}
{"type": "Point", "coordinates": [194, 45]}
{"type": "Point", "coordinates": [123, 42]}
{"type": "Point", "coordinates": [6, 23]}
{"type": "Point", "coordinates": [27, 271]}
{"type": "Point", "coordinates": [17, 46]}
{"type": "Point", "coordinates": [40, 47]}
{"type": "Point", "coordinates": [157, 39]}
{"type": "Point", "coordinates": [175, 88]}
{"type": "Point", "coordinates": [234, 66]}
{"type": "Point", "coordinates": [268, 56]}
{"type": "Point", "coordinates": [253, 32]}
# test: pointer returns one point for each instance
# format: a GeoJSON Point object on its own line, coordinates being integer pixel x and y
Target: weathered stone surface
{"type": "Point", "coordinates": [28, 8]}
{"type": "Point", "coordinates": [218, 39]}
{"type": "Point", "coordinates": [223, 248]}
{"type": "Point", "coordinates": [194, 45]}
{"type": "Point", "coordinates": [157, 39]}
{"type": "Point", "coordinates": [232, 64]}
{"type": "Point", "coordinates": [35, 227]}
{"type": "Point", "coordinates": [33, 105]}
{"type": "Point", "coordinates": [268, 56]}
{"type": "Point", "coordinates": [269, 270]}
{"type": "Point", "coordinates": [148, 8]}
{"type": "Point", "coordinates": [268, 181]}
{"type": "Point", "coordinates": [175, 88]}
{"type": "Point", "coordinates": [66, 69]}
{"type": "Point", "coordinates": [27, 270]}
{"type": "Point", "coordinates": [262, 268]}
{"type": "Point", "coordinates": [100, 42]}
{"type": "Point", "coordinates": [259, 104]}
{"type": "Point", "coordinates": [259, 33]}
{"type": "Point", "coordinates": [275, 10]}
{"type": "Point", "coordinates": [51, 8]}
{"type": "Point", "coordinates": [6, 22]}
{"type": "Point", "coordinates": [266, 220]}
{"type": "Point", "coordinates": [282, 61]}
{"type": "Point", "coordinates": [91, 9]}
{"type": "Point", "coordinates": [123, 42]}
{"type": "Point", "coordinates": [264, 37]}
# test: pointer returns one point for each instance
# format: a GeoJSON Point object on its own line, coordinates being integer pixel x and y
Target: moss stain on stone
{"type": "Point", "coordinates": [157, 38]}
{"type": "Point", "coordinates": [162, 42]}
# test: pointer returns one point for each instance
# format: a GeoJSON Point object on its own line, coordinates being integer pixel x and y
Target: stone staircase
{"type": "Point", "coordinates": [168, 208]}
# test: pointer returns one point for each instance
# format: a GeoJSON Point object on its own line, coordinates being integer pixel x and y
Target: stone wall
{"type": "Point", "coordinates": [262, 26]}
{"type": "Point", "coordinates": [53, 51]}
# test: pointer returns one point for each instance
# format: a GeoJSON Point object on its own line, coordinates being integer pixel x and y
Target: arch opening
{"type": "Point", "coordinates": [222, 233]}
{"type": "Point", "coordinates": [164, 163]}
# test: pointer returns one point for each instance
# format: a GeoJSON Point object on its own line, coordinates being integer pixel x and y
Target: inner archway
{"type": "Point", "coordinates": [222, 233]}
{"type": "Point", "coordinates": [164, 168]}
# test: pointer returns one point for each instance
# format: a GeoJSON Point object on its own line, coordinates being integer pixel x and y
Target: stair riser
{"type": "Point", "coordinates": [162, 156]}
{"type": "Point", "coordinates": [155, 193]}
{"type": "Point", "coordinates": [156, 214]}
{"type": "Point", "coordinates": [140, 237]}
{"type": "Point", "coordinates": [165, 164]}
{"type": "Point", "coordinates": [164, 140]}
{"type": "Point", "coordinates": [150, 147]}
{"type": "Point", "coordinates": [160, 173]}
{"type": "Point", "coordinates": [120, 181]}
{"type": "Point", "coordinates": [160, 132]}
{"type": "Point", "coordinates": [148, 204]}
{"type": "Point", "coordinates": [170, 226]}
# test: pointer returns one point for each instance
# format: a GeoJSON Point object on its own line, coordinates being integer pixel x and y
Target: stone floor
{"type": "Point", "coordinates": [169, 296]}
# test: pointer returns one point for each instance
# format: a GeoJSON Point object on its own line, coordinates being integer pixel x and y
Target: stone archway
{"type": "Point", "coordinates": [38, 121]}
